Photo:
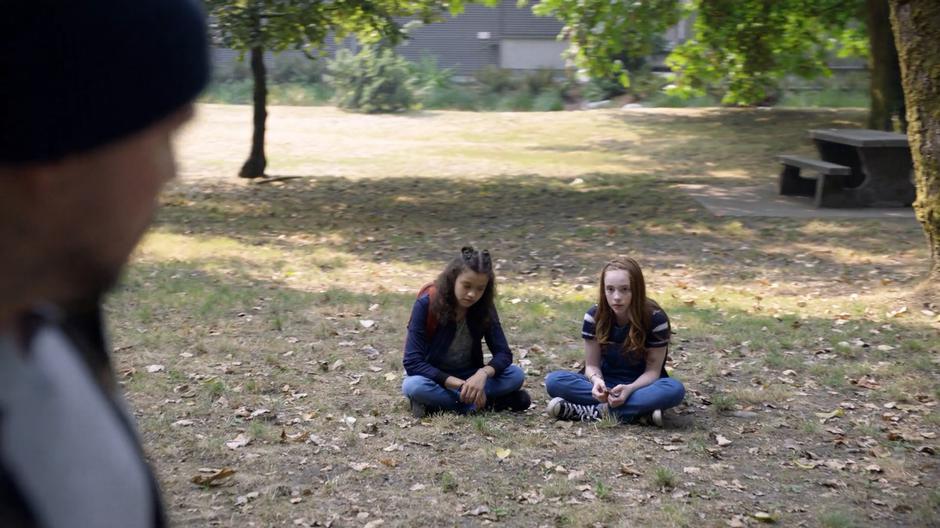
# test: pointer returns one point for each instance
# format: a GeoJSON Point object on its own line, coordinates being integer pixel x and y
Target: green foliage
{"type": "Point", "coordinates": [493, 79]}
{"type": "Point", "coordinates": [277, 25]}
{"type": "Point", "coordinates": [296, 69]}
{"type": "Point", "coordinates": [427, 75]}
{"type": "Point", "coordinates": [549, 100]}
{"type": "Point", "coordinates": [604, 33]}
{"type": "Point", "coordinates": [375, 80]}
{"type": "Point", "coordinates": [742, 49]}
{"type": "Point", "coordinates": [739, 52]}
{"type": "Point", "coordinates": [665, 478]}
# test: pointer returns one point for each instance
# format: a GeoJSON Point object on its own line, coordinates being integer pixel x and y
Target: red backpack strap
{"type": "Point", "coordinates": [430, 324]}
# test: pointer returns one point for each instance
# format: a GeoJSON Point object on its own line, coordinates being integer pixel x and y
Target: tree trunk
{"type": "Point", "coordinates": [917, 35]}
{"type": "Point", "coordinates": [887, 96]}
{"type": "Point", "coordinates": [254, 167]}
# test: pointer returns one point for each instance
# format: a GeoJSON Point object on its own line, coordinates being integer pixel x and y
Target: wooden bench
{"type": "Point", "coordinates": [825, 182]}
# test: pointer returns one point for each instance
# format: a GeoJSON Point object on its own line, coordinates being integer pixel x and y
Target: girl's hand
{"type": "Point", "coordinates": [599, 389]}
{"type": "Point", "coordinates": [472, 390]}
{"type": "Point", "coordinates": [453, 383]}
{"type": "Point", "coordinates": [618, 395]}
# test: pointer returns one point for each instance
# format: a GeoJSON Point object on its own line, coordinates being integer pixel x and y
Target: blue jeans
{"type": "Point", "coordinates": [437, 397]}
{"type": "Point", "coordinates": [575, 388]}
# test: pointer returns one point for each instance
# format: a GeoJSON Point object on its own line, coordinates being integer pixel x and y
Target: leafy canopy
{"type": "Point", "coordinates": [739, 48]}
{"type": "Point", "coordinates": [277, 25]}
{"type": "Point", "coordinates": [603, 32]}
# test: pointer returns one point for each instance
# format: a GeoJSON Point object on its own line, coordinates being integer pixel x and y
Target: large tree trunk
{"type": "Point", "coordinates": [887, 96]}
{"type": "Point", "coordinates": [917, 36]}
{"type": "Point", "coordinates": [254, 167]}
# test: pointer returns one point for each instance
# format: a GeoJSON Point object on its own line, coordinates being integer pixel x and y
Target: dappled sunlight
{"type": "Point", "coordinates": [297, 262]}
{"type": "Point", "coordinates": [730, 174]}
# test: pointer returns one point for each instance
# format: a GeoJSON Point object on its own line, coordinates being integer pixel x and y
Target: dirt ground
{"type": "Point", "coordinates": [258, 333]}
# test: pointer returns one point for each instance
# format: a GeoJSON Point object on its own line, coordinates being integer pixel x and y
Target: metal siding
{"type": "Point", "coordinates": [454, 41]}
{"type": "Point", "coordinates": [521, 22]}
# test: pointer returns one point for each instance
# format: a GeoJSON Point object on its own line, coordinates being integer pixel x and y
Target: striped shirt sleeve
{"type": "Point", "coordinates": [659, 333]}
{"type": "Point", "coordinates": [587, 328]}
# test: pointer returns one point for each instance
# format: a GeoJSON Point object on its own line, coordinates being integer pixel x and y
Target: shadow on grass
{"type": "Point", "coordinates": [539, 227]}
{"type": "Point", "coordinates": [694, 146]}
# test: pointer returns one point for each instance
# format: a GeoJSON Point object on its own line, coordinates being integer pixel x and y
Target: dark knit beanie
{"type": "Point", "coordinates": [78, 74]}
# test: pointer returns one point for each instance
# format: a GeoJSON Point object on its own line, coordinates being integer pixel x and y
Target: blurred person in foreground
{"type": "Point", "coordinates": [91, 94]}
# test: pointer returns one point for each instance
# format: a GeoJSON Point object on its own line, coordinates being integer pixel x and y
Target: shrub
{"type": "Point", "coordinates": [375, 80]}
{"type": "Point", "coordinates": [495, 80]}
{"type": "Point", "coordinates": [296, 69]}
{"type": "Point", "coordinates": [548, 101]}
{"type": "Point", "coordinates": [539, 81]}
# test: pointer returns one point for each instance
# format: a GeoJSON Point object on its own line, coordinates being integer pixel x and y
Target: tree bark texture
{"type": "Point", "coordinates": [916, 26]}
{"type": "Point", "coordinates": [257, 162]}
{"type": "Point", "coordinates": [887, 95]}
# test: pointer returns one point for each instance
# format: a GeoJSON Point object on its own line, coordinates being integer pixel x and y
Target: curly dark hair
{"type": "Point", "coordinates": [445, 302]}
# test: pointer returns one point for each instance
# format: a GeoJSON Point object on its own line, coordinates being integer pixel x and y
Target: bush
{"type": "Point", "coordinates": [539, 81]}
{"type": "Point", "coordinates": [296, 69]}
{"type": "Point", "coordinates": [548, 101]}
{"type": "Point", "coordinates": [375, 80]}
{"type": "Point", "coordinates": [495, 80]}
{"type": "Point", "coordinates": [426, 75]}
{"type": "Point", "coordinates": [232, 92]}
{"type": "Point", "coordinates": [453, 97]}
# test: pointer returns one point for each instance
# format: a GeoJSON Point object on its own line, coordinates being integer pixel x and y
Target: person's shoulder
{"type": "Point", "coordinates": [659, 320]}
{"type": "Point", "coordinates": [591, 314]}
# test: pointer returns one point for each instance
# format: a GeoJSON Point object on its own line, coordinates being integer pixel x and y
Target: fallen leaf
{"type": "Point", "coordinates": [825, 417]}
{"type": "Point", "coordinates": [479, 510]}
{"type": "Point", "coordinates": [360, 466]}
{"type": "Point", "coordinates": [691, 470]}
{"type": "Point", "coordinates": [390, 462]}
{"type": "Point", "coordinates": [575, 475]}
{"type": "Point", "coordinates": [502, 452]}
{"type": "Point", "coordinates": [367, 323]}
{"type": "Point", "coordinates": [214, 478]}
{"type": "Point", "coordinates": [297, 438]}
{"type": "Point", "coordinates": [722, 441]}
{"type": "Point", "coordinates": [153, 369]}
{"type": "Point", "coordinates": [897, 312]}
{"type": "Point", "coordinates": [246, 498]}
{"type": "Point", "coordinates": [873, 468]}
{"type": "Point", "coordinates": [258, 412]}
{"type": "Point", "coordinates": [182, 423]}
{"type": "Point", "coordinates": [373, 524]}
{"type": "Point", "coordinates": [628, 469]}
{"type": "Point", "coordinates": [417, 487]}
{"type": "Point", "coordinates": [764, 517]}
{"type": "Point", "coordinates": [390, 376]}
{"type": "Point", "coordinates": [239, 441]}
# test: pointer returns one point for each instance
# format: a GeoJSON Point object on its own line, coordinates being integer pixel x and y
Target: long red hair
{"type": "Point", "coordinates": [639, 311]}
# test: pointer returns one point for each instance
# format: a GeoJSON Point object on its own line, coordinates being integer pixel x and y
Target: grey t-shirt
{"type": "Point", "coordinates": [459, 356]}
{"type": "Point", "coordinates": [63, 444]}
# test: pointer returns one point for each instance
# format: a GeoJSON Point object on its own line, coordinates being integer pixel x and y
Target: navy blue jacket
{"type": "Point", "coordinates": [421, 355]}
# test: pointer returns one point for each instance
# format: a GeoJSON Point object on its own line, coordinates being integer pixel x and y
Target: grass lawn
{"type": "Point", "coordinates": [260, 327]}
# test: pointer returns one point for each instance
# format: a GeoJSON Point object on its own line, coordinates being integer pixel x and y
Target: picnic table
{"type": "Point", "coordinates": [858, 168]}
